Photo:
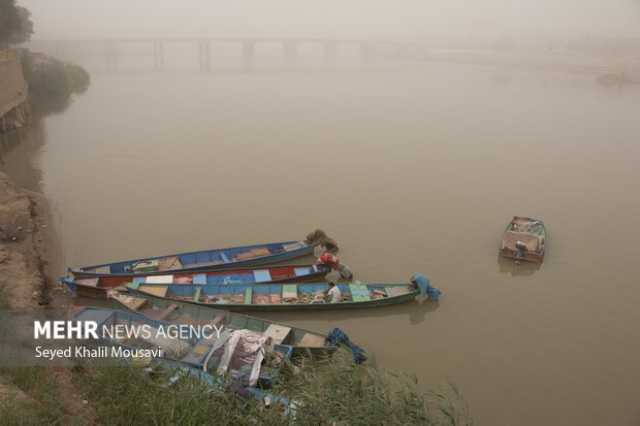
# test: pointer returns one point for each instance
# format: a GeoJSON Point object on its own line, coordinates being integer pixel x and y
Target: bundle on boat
{"type": "Point", "coordinates": [225, 258]}
{"type": "Point", "coordinates": [98, 286]}
{"type": "Point", "coordinates": [290, 296]}
{"type": "Point", "coordinates": [321, 239]}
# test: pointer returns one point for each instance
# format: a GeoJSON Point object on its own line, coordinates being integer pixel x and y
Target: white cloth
{"type": "Point", "coordinates": [335, 296]}
{"type": "Point", "coordinates": [250, 345]}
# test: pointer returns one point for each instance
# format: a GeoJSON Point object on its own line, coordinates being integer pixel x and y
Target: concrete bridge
{"type": "Point", "coordinates": [154, 53]}
{"type": "Point", "coordinates": [113, 50]}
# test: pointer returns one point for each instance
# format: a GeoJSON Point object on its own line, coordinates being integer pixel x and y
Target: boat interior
{"type": "Point", "coordinates": [272, 294]}
{"type": "Point", "coordinates": [527, 231]}
{"type": "Point", "coordinates": [240, 276]}
{"type": "Point", "coordinates": [198, 259]}
{"type": "Point", "coordinates": [247, 356]}
{"type": "Point", "coordinates": [193, 314]}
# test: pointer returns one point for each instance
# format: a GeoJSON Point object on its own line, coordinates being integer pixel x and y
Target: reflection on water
{"type": "Point", "coordinates": [509, 266]}
{"type": "Point", "coordinates": [412, 171]}
{"type": "Point", "coordinates": [414, 313]}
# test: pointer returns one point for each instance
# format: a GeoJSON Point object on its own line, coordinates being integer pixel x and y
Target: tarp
{"type": "Point", "coordinates": [337, 337]}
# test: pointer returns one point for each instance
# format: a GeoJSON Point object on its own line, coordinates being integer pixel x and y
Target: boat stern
{"type": "Point", "coordinates": [423, 284]}
{"type": "Point", "coordinates": [69, 282]}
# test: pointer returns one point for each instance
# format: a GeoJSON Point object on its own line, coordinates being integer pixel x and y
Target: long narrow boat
{"type": "Point", "coordinates": [524, 239]}
{"type": "Point", "coordinates": [226, 258]}
{"type": "Point", "coordinates": [291, 296]}
{"type": "Point", "coordinates": [249, 358]}
{"type": "Point", "coordinates": [97, 287]}
{"type": "Point", "coordinates": [302, 341]}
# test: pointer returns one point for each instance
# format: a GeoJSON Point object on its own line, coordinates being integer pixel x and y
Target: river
{"type": "Point", "coordinates": [415, 170]}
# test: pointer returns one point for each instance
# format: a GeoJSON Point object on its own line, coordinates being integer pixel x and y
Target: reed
{"type": "Point", "coordinates": [333, 391]}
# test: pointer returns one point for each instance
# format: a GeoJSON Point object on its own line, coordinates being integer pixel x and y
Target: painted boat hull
{"type": "Point", "coordinates": [193, 353]}
{"type": "Point", "coordinates": [117, 268]}
{"type": "Point", "coordinates": [388, 301]}
{"type": "Point", "coordinates": [108, 283]}
{"type": "Point", "coordinates": [208, 313]}
{"type": "Point", "coordinates": [385, 301]}
{"type": "Point", "coordinates": [528, 257]}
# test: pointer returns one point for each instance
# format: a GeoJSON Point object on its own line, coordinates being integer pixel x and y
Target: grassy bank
{"type": "Point", "coordinates": [326, 393]}
{"type": "Point", "coordinates": [30, 398]}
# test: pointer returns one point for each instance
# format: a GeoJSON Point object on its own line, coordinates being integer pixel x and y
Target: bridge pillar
{"type": "Point", "coordinates": [204, 55]}
{"type": "Point", "coordinates": [111, 55]}
{"type": "Point", "coordinates": [330, 52]}
{"type": "Point", "coordinates": [290, 54]}
{"type": "Point", "coordinates": [367, 52]}
{"type": "Point", "coordinates": [58, 48]}
{"type": "Point", "coordinates": [248, 55]}
{"type": "Point", "coordinates": [158, 55]}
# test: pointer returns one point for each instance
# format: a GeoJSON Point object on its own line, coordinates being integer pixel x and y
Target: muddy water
{"type": "Point", "coordinates": [411, 171]}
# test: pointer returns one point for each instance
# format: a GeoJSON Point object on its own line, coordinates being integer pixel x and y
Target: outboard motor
{"type": "Point", "coordinates": [521, 249]}
{"type": "Point", "coordinates": [426, 289]}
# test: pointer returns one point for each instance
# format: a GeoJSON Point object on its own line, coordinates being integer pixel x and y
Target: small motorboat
{"type": "Point", "coordinates": [289, 296]}
{"type": "Point", "coordinates": [524, 240]}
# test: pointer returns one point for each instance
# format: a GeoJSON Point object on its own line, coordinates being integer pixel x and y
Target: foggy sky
{"type": "Point", "coordinates": [405, 19]}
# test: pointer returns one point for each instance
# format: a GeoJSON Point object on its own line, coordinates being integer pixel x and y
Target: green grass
{"type": "Point", "coordinates": [337, 391]}
{"type": "Point", "coordinates": [125, 396]}
{"type": "Point", "coordinates": [42, 407]}
{"type": "Point", "coordinates": [325, 392]}
{"type": "Point", "coordinates": [4, 297]}
{"type": "Point", "coordinates": [333, 391]}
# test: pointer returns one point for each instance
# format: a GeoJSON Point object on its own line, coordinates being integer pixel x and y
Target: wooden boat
{"type": "Point", "coordinates": [524, 239]}
{"type": "Point", "coordinates": [303, 342]}
{"type": "Point", "coordinates": [215, 259]}
{"type": "Point", "coordinates": [97, 287]}
{"type": "Point", "coordinates": [290, 296]}
{"type": "Point", "coordinates": [250, 359]}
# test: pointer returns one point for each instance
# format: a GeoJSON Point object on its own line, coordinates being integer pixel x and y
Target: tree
{"type": "Point", "coordinates": [26, 27]}
{"type": "Point", "coordinates": [15, 23]}
{"type": "Point", "coordinates": [9, 20]}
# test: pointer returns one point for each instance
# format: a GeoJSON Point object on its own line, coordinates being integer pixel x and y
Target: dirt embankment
{"type": "Point", "coordinates": [24, 238]}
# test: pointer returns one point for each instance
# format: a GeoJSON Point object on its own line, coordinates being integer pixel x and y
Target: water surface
{"type": "Point", "coordinates": [412, 171]}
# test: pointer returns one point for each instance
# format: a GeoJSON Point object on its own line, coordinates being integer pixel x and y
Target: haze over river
{"type": "Point", "coordinates": [414, 170]}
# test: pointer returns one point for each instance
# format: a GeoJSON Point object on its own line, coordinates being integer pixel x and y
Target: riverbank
{"type": "Point", "coordinates": [31, 81]}
{"type": "Point", "coordinates": [25, 241]}
{"type": "Point", "coordinates": [27, 246]}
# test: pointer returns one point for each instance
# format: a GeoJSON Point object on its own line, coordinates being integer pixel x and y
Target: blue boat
{"type": "Point", "coordinates": [99, 287]}
{"type": "Point", "coordinates": [213, 259]}
{"type": "Point", "coordinates": [289, 296]}
{"type": "Point", "coordinates": [248, 358]}
{"type": "Point", "coordinates": [304, 342]}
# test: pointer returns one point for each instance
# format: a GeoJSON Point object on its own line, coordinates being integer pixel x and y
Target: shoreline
{"type": "Point", "coordinates": [26, 246]}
